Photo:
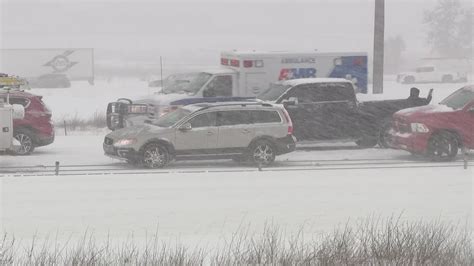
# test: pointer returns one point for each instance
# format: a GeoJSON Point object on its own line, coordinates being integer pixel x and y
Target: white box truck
{"type": "Point", "coordinates": [74, 63]}
{"type": "Point", "coordinates": [242, 75]}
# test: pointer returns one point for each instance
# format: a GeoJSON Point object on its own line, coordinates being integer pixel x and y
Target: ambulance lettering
{"type": "Point", "coordinates": [297, 73]}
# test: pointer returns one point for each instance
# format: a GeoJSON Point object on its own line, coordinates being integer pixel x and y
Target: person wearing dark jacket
{"type": "Point", "coordinates": [415, 99]}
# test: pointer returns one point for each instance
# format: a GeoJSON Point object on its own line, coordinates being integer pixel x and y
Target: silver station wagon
{"type": "Point", "coordinates": [242, 131]}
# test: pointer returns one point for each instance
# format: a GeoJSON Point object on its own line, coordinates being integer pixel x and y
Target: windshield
{"type": "Point", "coordinates": [273, 92]}
{"type": "Point", "coordinates": [172, 118]}
{"type": "Point", "coordinates": [460, 98]}
{"type": "Point", "coordinates": [189, 83]}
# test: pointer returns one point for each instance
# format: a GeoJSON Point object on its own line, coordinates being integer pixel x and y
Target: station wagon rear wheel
{"type": "Point", "coordinates": [155, 156]}
{"type": "Point", "coordinates": [262, 152]}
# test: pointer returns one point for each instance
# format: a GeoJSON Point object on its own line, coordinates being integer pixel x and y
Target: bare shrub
{"type": "Point", "coordinates": [370, 242]}
{"type": "Point", "coordinates": [97, 120]}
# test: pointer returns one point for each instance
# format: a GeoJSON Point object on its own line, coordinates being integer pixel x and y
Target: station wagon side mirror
{"type": "Point", "coordinates": [471, 109]}
{"type": "Point", "coordinates": [185, 127]}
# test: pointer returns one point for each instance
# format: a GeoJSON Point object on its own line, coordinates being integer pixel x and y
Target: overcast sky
{"type": "Point", "coordinates": [141, 28]}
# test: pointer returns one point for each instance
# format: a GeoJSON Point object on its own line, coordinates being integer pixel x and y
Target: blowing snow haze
{"type": "Point", "coordinates": [196, 31]}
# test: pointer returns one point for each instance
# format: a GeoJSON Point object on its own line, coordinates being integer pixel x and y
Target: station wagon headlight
{"type": "Point", "coordinates": [125, 142]}
{"type": "Point", "coordinates": [419, 128]}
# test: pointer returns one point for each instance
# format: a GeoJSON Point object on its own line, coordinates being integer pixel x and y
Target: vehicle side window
{"type": "Point", "coordinates": [303, 93]}
{"type": "Point", "coordinates": [323, 92]}
{"type": "Point", "coordinates": [204, 120]}
{"type": "Point", "coordinates": [24, 102]}
{"type": "Point", "coordinates": [231, 118]}
{"type": "Point", "coordinates": [220, 86]}
{"type": "Point", "coordinates": [261, 116]}
{"type": "Point", "coordinates": [327, 92]}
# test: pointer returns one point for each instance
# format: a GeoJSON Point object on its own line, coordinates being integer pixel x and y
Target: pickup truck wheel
{"type": "Point", "coordinates": [447, 79]}
{"type": "Point", "coordinates": [155, 156]}
{"type": "Point", "coordinates": [262, 152]}
{"type": "Point", "coordinates": [367, 142]}
{"type": "Point", "coordinates": [409, 80]}
{"type": "Point", "coordinates": [25, 137]}
{"type": "Point", "coordinates": [443, 147]}
{"type": "Point", "coordinates": [384, 139]}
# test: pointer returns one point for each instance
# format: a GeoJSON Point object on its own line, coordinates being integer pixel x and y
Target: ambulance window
{"type": "Point", "coordinates": [219, 86]}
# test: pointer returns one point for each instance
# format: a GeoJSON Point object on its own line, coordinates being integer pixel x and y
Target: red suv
{"type": "Point", "coordinates": [437, 131]}
{"type": "Point", "coordinates": [36, 128]}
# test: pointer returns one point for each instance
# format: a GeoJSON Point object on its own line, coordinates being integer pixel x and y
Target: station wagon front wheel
{"type": "Point", "coordinates": [155, 156]}
{"type": "Point", "coordinates": [262, 152]}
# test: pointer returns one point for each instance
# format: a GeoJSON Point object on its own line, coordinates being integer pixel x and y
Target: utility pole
{"type": "Point", "coordinates": [379, 27]}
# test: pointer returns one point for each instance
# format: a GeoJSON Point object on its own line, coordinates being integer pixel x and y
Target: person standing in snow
{"type": "Point", "coordinates": [415, 99]}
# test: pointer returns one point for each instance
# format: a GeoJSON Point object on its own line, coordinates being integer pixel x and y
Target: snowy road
{"type": "Point", "coordinates": [205, 205]}
{"type": "Point", "coordinates": [85, 152]}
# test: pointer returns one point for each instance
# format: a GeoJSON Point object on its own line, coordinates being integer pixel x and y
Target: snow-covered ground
{"type": "Point", "coordinates": [206, 206]}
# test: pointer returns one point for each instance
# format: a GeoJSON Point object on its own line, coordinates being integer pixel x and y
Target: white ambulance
{"type": "Point", "coordinates": [242, 75]}
{"type": "Point", "coordinates": [256, 70]}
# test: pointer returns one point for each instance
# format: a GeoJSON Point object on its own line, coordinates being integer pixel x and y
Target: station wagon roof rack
{"type": "Point", "coordinates": [243, 104]}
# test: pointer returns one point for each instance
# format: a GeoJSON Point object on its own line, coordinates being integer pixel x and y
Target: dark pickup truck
{"type": "Point", "coordinates": [327, 110]}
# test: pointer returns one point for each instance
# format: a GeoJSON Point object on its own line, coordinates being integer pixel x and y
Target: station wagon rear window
{"type": "Point", "coordinates": [262, 116]}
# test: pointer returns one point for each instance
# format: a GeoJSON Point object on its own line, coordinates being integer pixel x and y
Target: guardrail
{"type": "Point", "coordinates": [57, 169]}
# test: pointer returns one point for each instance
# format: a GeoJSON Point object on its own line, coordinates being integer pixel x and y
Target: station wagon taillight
{"type": "Point", "coordinates": [288, 120]}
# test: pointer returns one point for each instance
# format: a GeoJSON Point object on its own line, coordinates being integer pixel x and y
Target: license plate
{"type": "Point", "coordinates": [137, 109]}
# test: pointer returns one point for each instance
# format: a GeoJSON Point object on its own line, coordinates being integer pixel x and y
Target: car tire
{"type": "Point", "coordinates": [384, 138]}
{"type": "Point", "coordinates": [447, 79]}
{"type": "Point", "coordinates": [367, 142]}
{"type": "Point", "coordinates": [443, 146]}
{"type": "Point", "coordinates": [155, 155]}
{"type": "Point", "coordinates": [262, 152]}
{"type": "Point", "coordinates": [409, 80]}
{"type": "Point", "coordinates": [26, 139]}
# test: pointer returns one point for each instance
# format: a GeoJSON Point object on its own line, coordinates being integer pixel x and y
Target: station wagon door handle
{"type": "Point", "coordinates": [245, 131]}
{"type": "Point", "coordinates": [210, 133]}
